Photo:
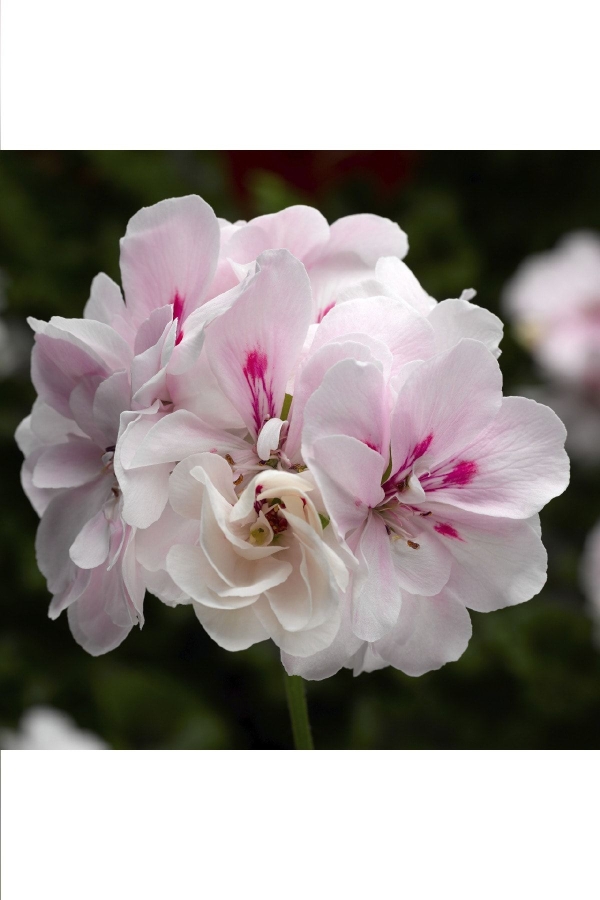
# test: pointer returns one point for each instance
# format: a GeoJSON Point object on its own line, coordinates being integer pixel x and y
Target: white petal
{"type": "Point", "coordinates": [68, 465]}
{"type": "Point", "coordinates": [497, 562]}
{"type": "Point", "coordinates": [439, 633]}
{"type": "Point", "coordinates": [90, 547]}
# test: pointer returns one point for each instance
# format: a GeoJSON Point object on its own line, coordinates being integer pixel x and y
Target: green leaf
{"type": "Point", "coordinates": [325, 520]}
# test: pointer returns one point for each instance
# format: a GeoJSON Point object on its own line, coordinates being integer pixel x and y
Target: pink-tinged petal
{"type": "Point", "coordinates": [325, 663]}
{"type": "Point", "coordinates": [180, 434]}
{"type": "Point", "coordinates": [90, 547]}
{"type": "Point", "coordinates": [253, 348]}
{"type": "Point", "coordinates": [400, 283]}
{"type": "Point", "coordinates": [110, 400]}
{"type": "Point", "coordinates": [145, 494]}
{"type": "Point", "coordinates": [38, 497]}
{"type": "Point", "coordinates": [152, 544]}
{"type": "Point", "coordinates": [145, 490]}
{"type": "Point", "coordinates": [96, 405]}
{"type": "Point", "coordinates": [497, 562]}
{"type": "Point", "coordinates": [348, 475]}
{"type": "Point", "coordinates": [132, 575]}
{"type": "Point", "coordinates": [153, 328]}
{"type": "Point", "coordinates": [369, 236]}
{"type": "Point", "coordinates": [422, 569]}
{"type": "Point", "coordinates": [62, 521]}
{"type": "Point", "coordinates": [76, 588]}
{"type": "Point", "coordinates": [168, 256]}
{"type": "Point", "coordinates": [351, 401]}
{"type": "Point", "coordinates": [57, 367]}
{"type": "Point", "coordinates": [90, 624]}
{"type": "Point", "coordinates": [106, 305]}
{"type": "Point", "coordinates": [443, 406]}
{"type": "Point", "coordinates": [299, 229]}
{"type": "Point", "coordinates": [408, 334]}
{"type": "Point", "coordinates": [198, 391]}
{"type": "Point", "coordinates": [376, 595]}
{"type": "Point", "coordinates": [355, 245]}
{"type": "Point", "coordinates": [194, 573]}
{"type": "Point", "coordinates": [81, 405]}
{"type": "Point", "coordinates": [149, 372]}
{"type": "Point", "coordinates": [95, 338]}
{"type": "Point", "coordinates": [439, 632]}
{"type": "Point", "coordinates": [312, 593]}
{"type": "Point", "coordinates": [292, 602]}
{"type": "Point", "coordinates": [453, 320]}
{"type": "Point", "coordinates": [360, 290]}
{"type": "Point", "coordinates": [326, 554]}
{"type": "Point", "coordinates": [186, 492]}
{"type": "Point", "coordinates": [25, 437]}
{"type": "Point", "coordinates": [366, 660]}
{"type": "Point", "coordinates": [68, 465]}
{"type": "Point", "coordinates": [188, 348]}
{"type": "Point", "coordinates": [513, 468]}
{"type": "Point", "coordinates": [232, 629]}
{"type": "Point", "coordinates": [312, 372]}
{"type": "Point", "coordinates": [49, 426]}
{"type": "Point", "coordinates": [162, 586]}
{"type": "Point", "coordinates": [297, 643]}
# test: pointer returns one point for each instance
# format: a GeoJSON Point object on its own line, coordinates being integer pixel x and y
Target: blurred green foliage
{"type": "Point", "coordinates": [531, 676]}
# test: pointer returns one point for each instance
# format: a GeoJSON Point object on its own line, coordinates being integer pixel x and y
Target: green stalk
{"type": "Point", "coordinates": [296, 699]}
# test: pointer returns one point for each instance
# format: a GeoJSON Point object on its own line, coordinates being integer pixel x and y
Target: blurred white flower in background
{"type": "Point", "coordinates": [45, 728]}
{"type": "Point", "coordinates": [554, 299]}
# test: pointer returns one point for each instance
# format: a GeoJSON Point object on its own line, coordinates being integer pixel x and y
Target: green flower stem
{"type": "Point", "coordinates": [296, 698]}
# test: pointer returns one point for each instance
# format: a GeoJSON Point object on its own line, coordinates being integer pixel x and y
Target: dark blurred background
{"type": "Point", "coordinates": [530, 678]}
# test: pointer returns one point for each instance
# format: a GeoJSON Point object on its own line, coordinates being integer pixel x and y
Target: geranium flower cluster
{"type": "Point", "coordinates": [278, 426]}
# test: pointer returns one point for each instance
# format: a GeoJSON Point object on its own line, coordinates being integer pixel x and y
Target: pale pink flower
{"type": "Point", "coordinates": [83, 547]}
{"type": "Point", "coordinates": [554, 299]}
{"type": "Point", "coordinates": [436, 491]}
{"type": "Point", "coordinates": [95, 377]}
